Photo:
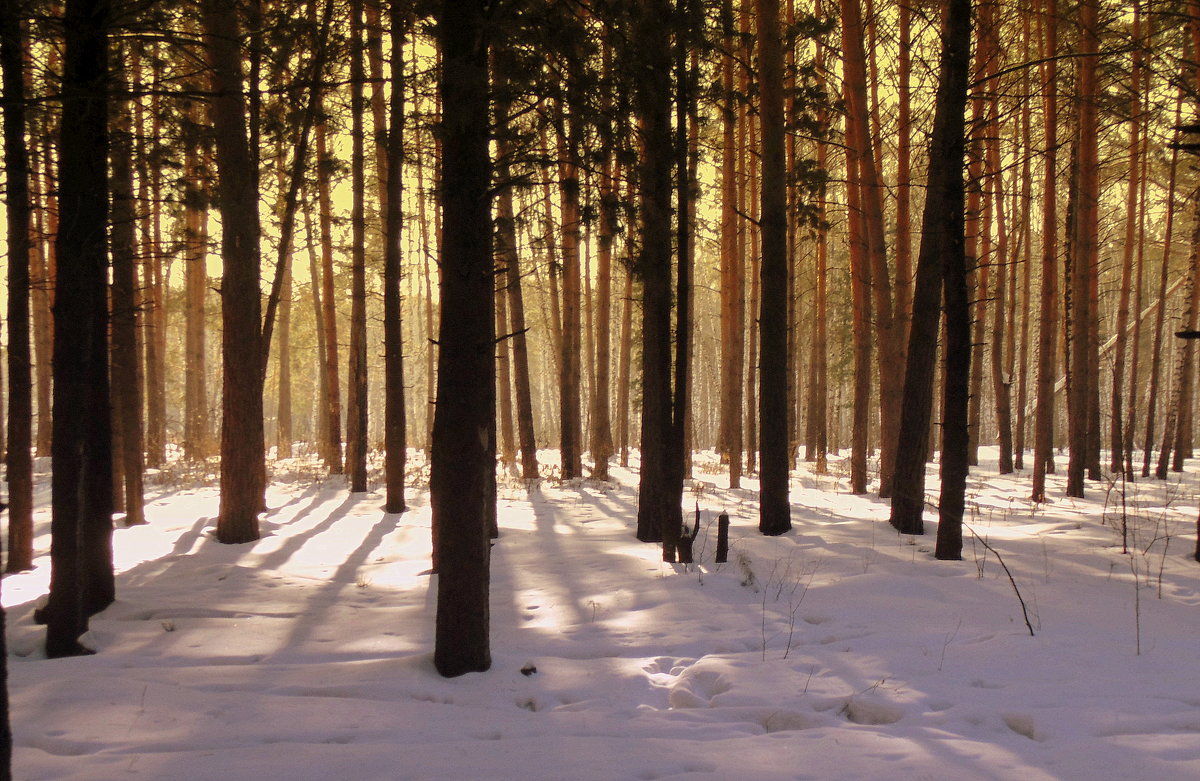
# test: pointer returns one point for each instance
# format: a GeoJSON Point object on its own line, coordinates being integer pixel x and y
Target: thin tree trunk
{"type": "Point", "coordinates": [195, 262]}
{"type": "Point", "coordinates": [395, 442]}
{"type": "Point", "coordinates": [729, 437]}
{"type": "Point", "coordinates": [43, 281]}
{"type": "Point", "coordinates": [1116, 430]}
{"type": "Point", "coordinates": [1135, 378]}
{"type": "Point", "coordinates": [510, 264]}
{"type": "Point", "coordinates": [569, 138]}
{"type": "Point", "coordinates": [150, 299]}
{"type": "Point", "coordinates": [333, 447]}
{"type": "Point", "coordinates": [356, 402]}
{"type": "Point", "coordinates": [1048, 309]}
{"type": "Point", "coordinates": [1025, 209]}
{"type": "Point", "coordinates": [320, 435]}
{"type": "Point", "coordinates": [1000, 364]}
{"type": "Point", "coordinates": [1156, 352]}
{"type": "Point", "coordinates": [818, 386]}
{"type": "Point", "coordinates": [125, 389]}
{"type": "Point", "coordinates": [750, 427]}
{"type": "Point", "coordinates": [1084, 255]}
{"type": "Point", "coordinates": [601, 444]}
{"type": "Point", "coordinates": [19, 201]}
{"type": "Point", "coordinates": [624, 370]}
{"type": "Point", "coordinates": [865, 172]}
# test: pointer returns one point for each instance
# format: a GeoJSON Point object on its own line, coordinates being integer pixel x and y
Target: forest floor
{"type": "Point", "coordinates": [838, 651]}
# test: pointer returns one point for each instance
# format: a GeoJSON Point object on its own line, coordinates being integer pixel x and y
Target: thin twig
{"type": "Point", "coordinates": [1007, 571]}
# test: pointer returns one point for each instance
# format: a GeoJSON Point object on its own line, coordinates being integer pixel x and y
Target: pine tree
{"type": "Point", "coordinates": [462, 451]}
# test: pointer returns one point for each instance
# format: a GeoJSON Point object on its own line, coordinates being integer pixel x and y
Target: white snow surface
{"type": "Point", "coordinates": [840, 650]}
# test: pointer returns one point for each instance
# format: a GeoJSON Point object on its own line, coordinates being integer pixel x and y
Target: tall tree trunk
{"type": "Point", "coordinates": [356, 402]}
{"type": "Point", "coordinates": [601, 444]}
{"type": "Point", "coordinates": [1156, 352]}
{"type": "Point", "coordinates": [750, 426]}
{"type": "Point", "coordinates": [395, 441]}
{"type": "Point", "coordinates": [195, 262]}
{"type": "Point", "coordinates": [775, 509]}
{"type": "Point", "coordinates": [463, 454]}
{"type": "Point", "coordinates": [904, 272]}
{"type": "Point", "coordinates": [978, 243]}
{"type": "Point", "coordinates": [569, 137]}
{"type": "Point", "coordinates": [675, 546]}
{"type": "Point", "coordinates": [333, 447]}
{"type": "Point", "coordinates": [1048, 308]}
{"type": "Point", "coordinates": [1116, 430]}
{"type": "Point", "coordinates": [320, 436]}
{"type": "Point", "coordinates": [729, 437]}
{"type": "Point", "coordinates": [958, 338]}
{"type": "Point", "coordinates": [1084, 254]}
{"type": "Point", "coordinates": [657, 519]}
{"type": "Point", "coordinates": [860, 283]}
{"type": "Point", "coordinates": [510, 262]}
{"type": "Point", "coordinates": [1000, 364]}
{"type": "Point", "coordinates": [18, 202]}
{"type": "Point", "coordinates": [81, 564]}
{"type": "Point", "coordinates": [125, 388]}
{"type": "Point", "coordinates": [865, 172]}
{"type": "Point", "coordinates": [43, 275]}
{"type": "Point", "coordinates": [150, 298]}
{"type": "Point", "coordinates": [942, 246]}
{"type": "Point", "coordinates": [1135, 377]}
{"type": "Point", "coordinates": [624, 370]}
{"type": "Point", "coordinates": [242, 468]}
{"type": "Point", "coordinates": [1025, 209]}
{"type": "Point", "coordinates": [818, 386]}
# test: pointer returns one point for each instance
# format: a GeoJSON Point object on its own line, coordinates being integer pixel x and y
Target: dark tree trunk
{"type": "Point", "coordinates": [356, 401]}
{"type": "Point", "coordinates": [506, 232]}
{"type": "Point", "coordinates": [395, 441]}
{"type": "Point", "coordinates": [462, 451]}
{"type": "Point", "coordinates": [775, 509]}
{"type": "Point", "coordinates": [81, 575]}
{"type": "Point", "coordinates": [19, 462]}
{"type": "Point", "coordinates": [242, 456]}
{"type": "Point", "coordinates": [658, 520]}
{"type": "Point", "coordinates": [955, 435]}
{"type": "Point", "coordinates": [124, 369]}
{"type": "Point", "coordinates": [676, 546]}
{"type": "Point", "coordinates": [942, 247]}
{"type": "Point", "coordinates": [1084, 256]}
{"type": "Point", "coordinates": [570, 140]}
{"type": "Point", "coordinates": [601, 440]}
{"type": "Point", "coordinates": [1048, 307]}
{"type": "Point", "coordinates": [20, 412]}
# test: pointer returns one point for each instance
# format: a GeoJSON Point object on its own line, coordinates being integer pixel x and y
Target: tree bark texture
{"type": "Point", "coordinates": [939, 265]}
{"type": "Point", "coordinates": [775, 509]}
{"type": "Point", "coordinates": [242, 455]}
{"type": "Point", "coordinates": [463, 452]}
{"type": "Point", "coordinates": [18, 200]}
{"type": "Point", "coordinates": [81, 568]}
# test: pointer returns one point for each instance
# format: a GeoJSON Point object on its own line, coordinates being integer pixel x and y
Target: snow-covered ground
{"type": "Point", "coordinates": [839, 651]}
